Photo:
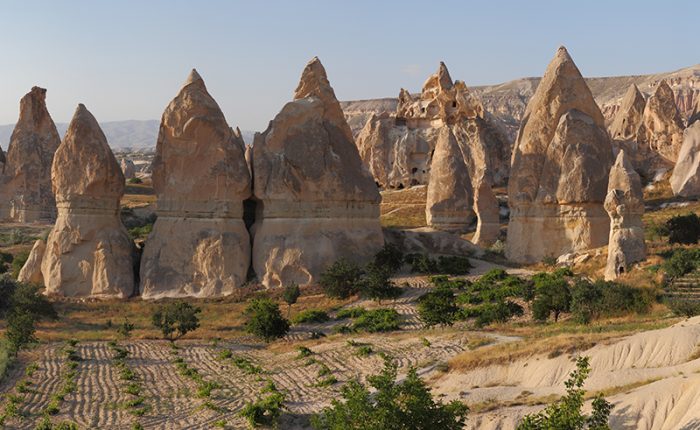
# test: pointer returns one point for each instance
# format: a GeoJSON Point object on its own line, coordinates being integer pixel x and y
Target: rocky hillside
{"type": "Point", "coordinates": [507, 101]}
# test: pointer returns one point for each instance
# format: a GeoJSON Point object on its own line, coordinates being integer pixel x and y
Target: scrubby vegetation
{"type": "Point", "coordinates": [266, 410]}
{"type": "Point", "coordinates": [683, 229]}
{"type": "Point", "coordinates": [176, 319]}
{"type": "Point", "coordinates": [450, 265]}
{"type": "Point", "coordinates": [566, 412]}
{"type": "Point", "coordinates": [290, 295]}
{"type": "Point", "coordinates": [22, 306]}
{"type": "Point", "coordinates": [265, 320]}
{"type": "Point", "coordinates": [341, 279]}
{"type": "Point", "coordinates": [405, 405]}
{"type": "Point", "coordinates": [377, 320]}
{"type": "Point", "coordinates": [311, 316]}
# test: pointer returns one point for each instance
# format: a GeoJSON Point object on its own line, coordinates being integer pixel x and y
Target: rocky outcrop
{"type": "Point", "coordinates": [89, 252]}
{"type": "Point", "coordinates": [559, 170]}
{"type": "Point", "coordinates": [31, 271]}
{"type": "Point", "coordinates": [128, 168]}
{"type": "Point", "coordinates": [629, 117]}
{"type": "Point", "coordinates": [316, 202]}
{"type": "Point", "coordinates": [27, 180]}
{"type": "Point", "coordinates": [199, 246]}
{"type": "Point", "coordinates": [488, 226]}
{"type": "Point", "coordinates": [662, 125]}
{"type": "Point", "coordinates": [449, 201]}
{"type": "Point", "coordinates": [625, 205]}
{"type": "Point", "coordinates": [398, 146]}
{"type": "Point", "coordinates": [695, 114]}
{"type": "Point", "coordinates": [685, 180]}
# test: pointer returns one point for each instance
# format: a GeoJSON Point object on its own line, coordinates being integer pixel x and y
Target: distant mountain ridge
{"type": "Point", "coordinates": [121, 135]}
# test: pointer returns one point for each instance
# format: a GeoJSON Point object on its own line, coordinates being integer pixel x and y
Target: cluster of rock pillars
{"type": "Point", "coordinates": [306, 192]}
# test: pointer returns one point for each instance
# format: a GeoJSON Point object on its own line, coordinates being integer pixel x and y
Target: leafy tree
{"type": "Point", "coordinates": [126, 328]}
{"type": "Point", "coordinates": [266, 410]}
{"type": "Point", "coordinates": [22, 305]}
{"type": "Point", "coordinates": [438, 307]}
{"type": "Point", "coordinates": [407, 405]}
{"type": "Point", "coordinates": [552, 295]}
{"type": "Point", "coordinates": [585, 301]}
{"type": "Point", "coordinates": [498, 311]}
{"type": "Point", "coordinates": [682, 262]}
{"type": "Point", "coordinates": [290, 295]}
{"type": "Point", "coordinates": [389, 257]}
{"type": "Point", "coordinates": [565, 413]}
{"type": "Point", "coordinates": [684, 307]}
{"type": "Point", "coordinates": [684, 229]}
{"type": "Point", "coordinates": [176, 319]}
{"type": "Point", "coordinates": [18, 262]}
{"type": "Point", "coordinates": [340, 280]}
{"type": "Point", "coordinates": [375, 284]}
{"type": "Point", "coordinates": [377, 320]}
{"type": "Point", "coordinates": [265, 320]}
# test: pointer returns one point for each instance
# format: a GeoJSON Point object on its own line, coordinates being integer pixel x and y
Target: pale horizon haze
{"type": "Point", "coordinates": [127, 59]}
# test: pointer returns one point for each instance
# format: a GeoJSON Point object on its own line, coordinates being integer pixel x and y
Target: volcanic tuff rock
{"type": "Point", "coordinates": [27, 179]}
{"type": "Point", "coordinates": [685, 180]}
{"type": "Point", "coordinates": [199, 245]}
{"type": "Point", "coordinates": [89, 252]}
{"type": "Point", "coordinates": [449, 202]}
{"type": "Point", "coordinates": [625, 205]}
{"type": "Point", "coordinates": [398, 147]}
{"type": "Point", "coordinates": [559, 171]}
{"type": "Point", "coordinates": [128, 168]}
{"type": "Point", "coordinates": [695, 114]}
{"type": "Point", "coordinates": [488, 224]}
{"type": "Point", "coordinates": [316, 201]}
{"type": "Point", "coordinates": [31, 271]}
{"type": "Point", "coordinates": [662, 125]}
{"type": "Point", "coordinates": [629, 116]}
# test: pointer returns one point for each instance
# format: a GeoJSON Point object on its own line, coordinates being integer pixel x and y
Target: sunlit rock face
{"type": "Point", "coordinates": [26, 183]}
{"type": "Point", "coordinates": [316, 201]}
{"type": "Point", "coordinates": [559, 172]}
{"type": "Point", "coordinates": [88, 252]}
{"type": "Point", "coordinates": [199, 246]}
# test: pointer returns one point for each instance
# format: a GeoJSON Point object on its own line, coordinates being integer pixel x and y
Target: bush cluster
{"type": "Point", "coordinates": [266, 409]}
{"type": "Point", "coordinates": [684, 229]}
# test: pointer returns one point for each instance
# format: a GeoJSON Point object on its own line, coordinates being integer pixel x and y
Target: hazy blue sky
{"type": "Point", "coordinates": [127, 59]}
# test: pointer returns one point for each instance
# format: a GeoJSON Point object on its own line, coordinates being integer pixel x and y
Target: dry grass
{"type": "Point", "coordinates": [524, 399]}
{"type": "Point", "coordinates": [555, 339]}
{"type": "Point", "coordinates": [404, 208]}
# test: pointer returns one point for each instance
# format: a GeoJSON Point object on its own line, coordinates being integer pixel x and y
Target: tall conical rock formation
{"type": "Point", "coordinates": [317, 202]}
{"type": "Point", "coordinates": [685, 180]}
{"type": "Point", "coordinates": [89, 252]}
{"type": "Point", "coordinates": [625, 205]}
{"type": "Point", "coordinates": [449, 199]}
{"type": "Point", "coordinates": [559, 170]}
{"type": "Point", "coordinates": [662, 125]}
{"type": "Point", "coordinates": [27, 179]}
{"type": "Point", "coordinates": [199, 246]}
{"type": "Point", "coordinates": [628, 119]}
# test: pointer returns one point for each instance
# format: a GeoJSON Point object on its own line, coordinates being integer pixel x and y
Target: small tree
{"type": "Point", "coordinates": [266, 410]}
{"type": "Point", "coordinates": [438, 307]}
{"type": "Point", "coordinates": [407, 405]}
{"type": "Point", "coordinates": [176, 319]}
{"type": "Point", "coordinates": [22, 305]}
{"type": "Point", "coordinates": [552, 295]}
{"type": "Point", "coordinates": [375, 284]}
{"type": "Point", "coordinates": [389, 257]}
{"type": "Point", "coordinates": [340, 280]}
{"type": "Point", "coordinates": [265, 320]}
{"type": "Point", "coordinates": [566, 413]}
{"type": "Point", "coordinates": [126, 328]}
{"type": "Point", "coordinates": [684, 229]}
{"type": "Point", "coordinates": [290, 295]}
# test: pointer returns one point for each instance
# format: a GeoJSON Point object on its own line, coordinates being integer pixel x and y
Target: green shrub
{"type": "Point", "coordinates": [22, 305]}
{"type": "Point", "coordinates": [377, 320]}
{"type": "Point", "coordinates": [421, 263]}
{"type": "Point", "coordinates": [489, 313]}
{"type": "Point", "coordinates": [225, 354]}
{"type": "Point", "coordinates": [438, 307]}
{"type": "Point", "coordinates": [265, 320]}
{"type": "Point", "coordinates": [290, 295]}
{"type": "Point", "coordinates": [684, 229]}
{"type": "Point", "coordinates": [176, 319]}
{"type": "Point", "coordinates": [375, 284]}
{"type": "Point", "coordinates": [266, 410]}
{"type": "Point", "coordinates": [134, 180]}
{"type": "Point", "coordinates": [682, 262]}
{"type": "Point", "coordinates": [18, 262]}
{"type": "Point", "coordinates": [304, 352]}
{"type": "Point", "coordinates": [246, 365]}
{"type": "Point", "coordinates": [683, 307]}
{"type": "Point", "coordinates": [340, 280]}
{"type": "Point", "coordinates": [552, 294]}
{"type": "Point", "coordinates": [565, 413]}
{"type": "Point", "coordinates": [364, 351]}
{"type": "Point", "coordinates": [454, 265]}
{"type": "Point", "coordinates": [444, 281]}
{"type": "Point", "coordinates": [407, 405]}
{"type": "Point", "coordinates": [352, 312]}
{"type": "Point", "coordinates": [310, 316]}
{"type": "Point", "coordinates": [389, 258]}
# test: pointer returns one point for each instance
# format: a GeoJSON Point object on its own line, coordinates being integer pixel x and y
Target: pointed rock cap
{"type": "Point", "coordinates": [84, 164]}
{"type": "Point", "coordinates": [437, 82]}
{"type": "Point", "coordinates": [629, 117]}
{"type": "Point", "coordinates": [623, 177]}
{"type": "Point", "coordinates": [34, 117]}
{"type": "Point", "coordinates": [313, 82]}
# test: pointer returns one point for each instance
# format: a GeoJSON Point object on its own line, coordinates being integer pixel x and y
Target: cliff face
{"type": "Point", "coordinates": [507, 101]}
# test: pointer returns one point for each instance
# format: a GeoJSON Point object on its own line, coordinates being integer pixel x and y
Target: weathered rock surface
{"type": "Point", "coordinates": [199, 246]}
{"type": "Point", "coordinates": [317, 202]}
{"type": "Point", "coordinates": [89, 252]}
{"type": "Point", "coordinates": [662, 125]}
{"type": "Point", "coordinates": [449, 201]}
{"type": "Point", "coordinates": [27, 180]}
{"type": "Point", "coordinates": [685, 180]}
{"type": "Point", "coordinates": [488, 226]}
{"type": "Point", "coordinates": [625, 205]}
{"type": "Point", "coordinates": [695, 114]}
{"type": "Point", "coordinates": [397, 147]}
{"type": "Point", "coordinates": [128, 168]}
{"type": "Point", "coordinates": [630, 115]}
{"type": "Point", "coordinates": [31, 271]}
{"type": "Point", "coordinates": [560, 167]}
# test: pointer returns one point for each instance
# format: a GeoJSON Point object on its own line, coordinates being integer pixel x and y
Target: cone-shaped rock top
{"type": "Point", "coordinates": [84, 165]}
{"type": "Point", "coordinates": [629, 117]}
